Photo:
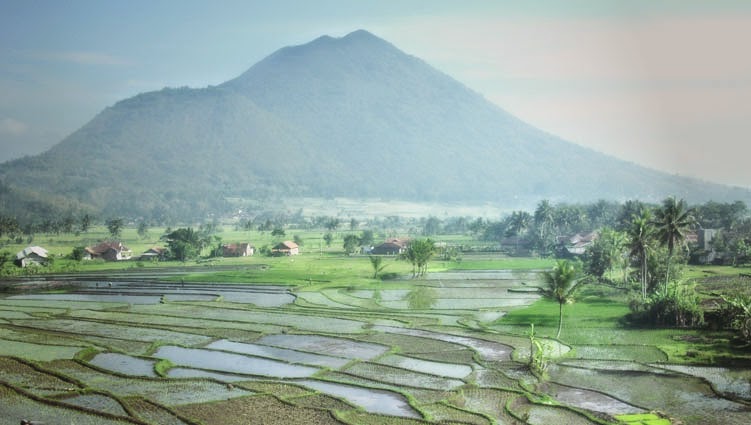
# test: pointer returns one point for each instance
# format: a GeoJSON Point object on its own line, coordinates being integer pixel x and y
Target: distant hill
{"type": "Point", "coordinates": [351, 116]}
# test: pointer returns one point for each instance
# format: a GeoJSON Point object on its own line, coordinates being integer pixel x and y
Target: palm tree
{"type": "Point", "coordinates": [543, 219]}
{"type": "Point", "coordinates": [640, 234]}
{"type": "Point", "coordinates": [518, 224]}
{"type": "Point", "coordinates": [560, 285]}
{"type": "Point", "coordinates": [672, 221]}
{"type": "Point", "coordinates": [377, 262]}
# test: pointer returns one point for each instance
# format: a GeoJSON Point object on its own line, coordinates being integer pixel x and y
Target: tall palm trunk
{"type": "Point", "coordinates": [560, 320]}
{"type": "Point", "coordinates": [644, 274]}
{"type": "Point", "coordinates": [667, 271]}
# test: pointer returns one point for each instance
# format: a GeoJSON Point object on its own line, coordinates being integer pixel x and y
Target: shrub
{"type": "Point", "coordinates": [737, 315]}
{"type": "Point", "coordinates": [677, 305]}
{"type": "Point", "coordinates": [78, 253]}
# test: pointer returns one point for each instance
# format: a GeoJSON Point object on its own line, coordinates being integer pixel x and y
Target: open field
{"type": "Point", "coordinates": [314, 339]}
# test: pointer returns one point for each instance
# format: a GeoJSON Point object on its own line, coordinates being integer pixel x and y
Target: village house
{"type": "Point", "coordinates": [394, 246]}
{"type": "Point", "coordinates": [238, 250]}
{"type": "Point", "coordinates": [285, 248]}
{"type": "Point", "coordinates": [154, 254]}
{"type": "Point", "coordinates": [704, 250]}
{"type": "Point", "coordinates": [32, 255]}
{"type": "Point", "coordinates": [109, 251]}
{"type": "Point", "coordinates": [577, 244]}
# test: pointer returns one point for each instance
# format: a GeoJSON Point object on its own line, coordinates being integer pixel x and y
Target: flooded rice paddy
{"type": "Point", "coordinates": [127, 352]}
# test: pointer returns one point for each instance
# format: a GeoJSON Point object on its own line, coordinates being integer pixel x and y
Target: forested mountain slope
{"type": "Point", "coordinates": [351, 116]}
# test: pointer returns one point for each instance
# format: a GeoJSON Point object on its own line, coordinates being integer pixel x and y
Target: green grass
{"type": "Point", "coordinates": [594, 307]}
{"type": "Point", "coordinates": [311, 271]}
{"type": "Point", "coordinates": [163, 366]}
{"type": "Point", "coordinates": [507, 263]}
{"type": "Point", "coordinates": [596, 318]}
{"type": "Point", "coordinates": [643, 419]}
{"type": "Point", "coordinates": [703, 271]}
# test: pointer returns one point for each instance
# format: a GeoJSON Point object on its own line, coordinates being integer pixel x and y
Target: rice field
{"type": "Point", "coordinates": [138, 352]}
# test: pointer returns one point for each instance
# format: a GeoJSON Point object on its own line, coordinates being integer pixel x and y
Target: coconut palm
{"type": "Point", "coordinates": [640, 233]}
{"type": "Point", "coordinates": [377, 262]}
{"type": "Point", "coordinates": [672, 221]}
{"type": "Point", "coordinates": [560, 285]}
{"type": "Point", "coordinates": [543, 219]}
{"type": "Point", "coordinates": [518, 223]}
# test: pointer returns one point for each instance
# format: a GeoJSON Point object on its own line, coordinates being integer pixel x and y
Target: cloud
{"type": "Point", "coordinates": [13, 127]}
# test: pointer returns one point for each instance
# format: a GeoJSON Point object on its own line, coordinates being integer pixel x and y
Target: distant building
{"type": "Point", "coordinates": [577, 244]}
{"type": "Point", "coordinates": [238, 250]}
{"type": "Point", "coordinates": [392, 246]}
{"type": "Point", "coordinates": [702, 239]}
{"type": "Point", "coordinates": [109, 251]}
{"type": "Point", "coordinates": [154, 253]}
{"type": "Point", "coordinates": [285, 248]}
{"type": "Point", "coordinates": [32, 255]}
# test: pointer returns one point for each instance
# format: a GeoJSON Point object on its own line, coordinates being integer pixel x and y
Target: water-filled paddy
{"type": "Point", "coordinates": [287, 355]}
{"type": "Point", "coordinates": [97, 402]}
{"type": "Point", "coordinates": [374, 401]}
{"type": "Point", "coordinates": [232, 363]}
{"type": "Point", "coordinates": [114, 298]}
{"type": "Point", "coordinates": [331, 346]}
{"type": "Point", "coordinates": [121, 363]}
{"type": "Point", "coordinates": [488, 350]}
{"type": "Point", "coordinates": [735, 382]}
{"type": "Point", "coordinates": [686, 397]}
{"type": "Point", "coordinates": [270, 347]}
{"type": "Point", "coordinates": [425, 366]}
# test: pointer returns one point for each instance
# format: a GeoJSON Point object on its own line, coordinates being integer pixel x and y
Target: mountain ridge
{"type": "Point", "coordinates": [351, 116]}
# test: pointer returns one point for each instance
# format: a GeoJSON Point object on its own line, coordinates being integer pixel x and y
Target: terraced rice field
{"type": "Point", "coordinates": [148, 353]}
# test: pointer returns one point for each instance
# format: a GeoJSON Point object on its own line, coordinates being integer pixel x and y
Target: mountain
{"type": "Point", "coordinates": [351, 116]}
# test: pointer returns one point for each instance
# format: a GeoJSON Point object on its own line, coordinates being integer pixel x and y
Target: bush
{"type": "Point", "coordinates": [677, 305]}
{"type": "Point", "coordinates": [78, 253]}
{"type": "Point", "coordinates": [736, 314]}
{"type": "Point", "coordinates": [389, 276]}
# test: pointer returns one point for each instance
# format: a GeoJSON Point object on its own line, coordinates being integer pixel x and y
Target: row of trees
{"type": "Point", "coordinates": [539, 231]}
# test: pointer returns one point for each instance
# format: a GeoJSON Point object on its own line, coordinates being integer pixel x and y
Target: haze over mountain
{"type": "Point", "coordinates": [352, 117]}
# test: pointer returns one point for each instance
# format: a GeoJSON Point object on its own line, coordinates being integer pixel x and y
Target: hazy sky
{"type": "Point", "coordinates": [666, 84]}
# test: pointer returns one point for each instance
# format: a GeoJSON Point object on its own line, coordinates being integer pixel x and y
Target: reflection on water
{"type": "Point", "coordinates": [232, 363]}
{"type": "Point", "coordinates": [421, 298]}
{"type": "Point", "coordinates": [326, 345]}
{"type": "Point", "coordinates": [685, 397]}
{"type": "Point", "coordinates": [291, 356]}
{"type": "Point", "coordinates": [373, 401]}
{"type": "Point", "coordinates": [734, 382]}
{"type": "Point", "coordinates": [153, 293]}
{"type": "Point", "coordinates": [121, 363]}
